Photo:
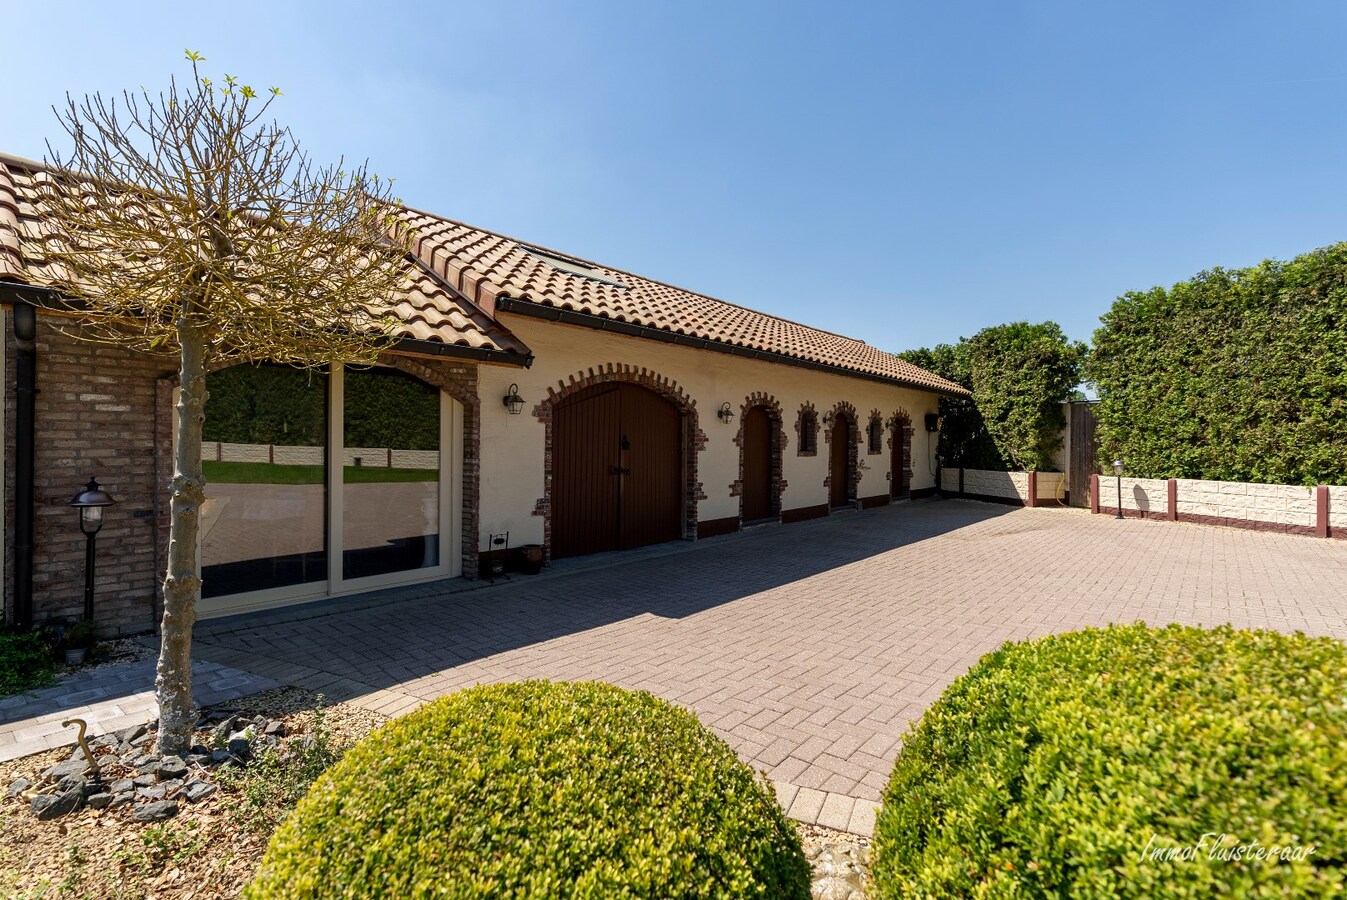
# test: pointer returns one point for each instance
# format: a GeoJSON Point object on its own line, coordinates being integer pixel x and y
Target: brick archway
{"type": "Point", "coordinates": [776, 417]}
{"type": "Point", "coordinates": [845, 409]}
{"type": "Point", "coordinates": [900, 454]}
{"type": "Point", "coordinates": [694, 439]}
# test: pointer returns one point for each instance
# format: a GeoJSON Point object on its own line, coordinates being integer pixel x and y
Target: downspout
{"type": "Point", "coordinates": [25, 389]}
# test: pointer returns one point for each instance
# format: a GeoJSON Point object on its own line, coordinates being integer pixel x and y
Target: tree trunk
{"type": "Point", "coordinates": [182, 584]}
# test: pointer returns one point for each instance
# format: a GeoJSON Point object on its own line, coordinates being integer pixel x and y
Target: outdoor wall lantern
{"type": "Point", "coordinates": [724, 414]}
{"type": "Point", "coordinates": [513, 402]}
{"type": "Point", "coordinates": [828, 419]}
{"type": "Point", "coordinates": [90, 502]}
{"type": "Point", "coordinates": [1117, 471]}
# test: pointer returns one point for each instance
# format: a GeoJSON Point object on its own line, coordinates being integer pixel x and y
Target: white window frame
{"type": "Point", "coordinates": [450, 524]}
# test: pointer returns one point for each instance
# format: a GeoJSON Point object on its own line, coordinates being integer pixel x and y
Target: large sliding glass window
{"type": "Point", "coordinates": [390, 473]}
{"type": "Point", "coordinates": [324, 483]}
{"type": "Point", "coordinates": [264, 457]}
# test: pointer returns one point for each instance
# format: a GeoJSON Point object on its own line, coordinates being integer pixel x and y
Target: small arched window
{"type": "Point", "coordinates": [876, 435]}
{"type": "Point", "coordinates": [808, 443]}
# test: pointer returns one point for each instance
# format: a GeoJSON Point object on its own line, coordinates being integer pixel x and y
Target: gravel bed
{"type": "Point", "coordinates": [206, 851]}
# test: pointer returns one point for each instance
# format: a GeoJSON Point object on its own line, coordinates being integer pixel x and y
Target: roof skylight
{"type": "Point", "coordinates": [574, 266]}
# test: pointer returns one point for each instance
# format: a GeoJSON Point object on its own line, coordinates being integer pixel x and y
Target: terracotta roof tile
{"type": "Point", "coordinates": [425, 309]}
{"type": "Point", "coordinates": [485, 266]}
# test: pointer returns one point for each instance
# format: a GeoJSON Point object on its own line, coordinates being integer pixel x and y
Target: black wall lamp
{"type": "Point", "coordinates": [513, 402]}
{"type": "Point", "coordinates": [724, 414]}
{"type": "Point", "coordinates": [90, 502]}
{"type": "Point", "coordinates": [828, 419]}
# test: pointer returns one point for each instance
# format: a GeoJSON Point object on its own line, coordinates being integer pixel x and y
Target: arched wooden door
{"type": "Point", "coordinates": [899, 479]}
{"type": "Point", "coordinates": [839, 469]}
{"type": "Point", "coordinates": [617, 470]}
{"type": "Point", "coordinates": [757, 450]}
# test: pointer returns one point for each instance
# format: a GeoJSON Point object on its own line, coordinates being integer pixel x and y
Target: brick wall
{"type": "Point", "coordinates": [95, 413]}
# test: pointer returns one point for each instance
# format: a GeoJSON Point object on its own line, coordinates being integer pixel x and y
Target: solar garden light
{"type": "Point", "coordinates": [724, 414]}
{"type": "Point", "coordinates": [513, 402]}
{"type": "Point", "coordinates": [90, 502]}
{"type": "Point", "coordinates": [1117, 471]}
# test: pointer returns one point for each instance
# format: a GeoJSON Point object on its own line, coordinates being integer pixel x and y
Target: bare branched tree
{"type": "Point", "coordinates": [188, 221]}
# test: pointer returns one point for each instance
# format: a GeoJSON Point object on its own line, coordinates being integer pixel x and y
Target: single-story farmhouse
{"type": "Point", "coordinates": [531, 398]}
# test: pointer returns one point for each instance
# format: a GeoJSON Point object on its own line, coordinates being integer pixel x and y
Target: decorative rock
{"type": "Point", "coordinates": [130, 735]}
{"type": "Point", "coordinates": [220, 756]}
{"type": "Point", "coordinates": [121, 799]}
{"type": "Point", "coordinates": [53, 806]}
{"type": "Point", "coordinates": [196, 790]}
{"type": "Point", "coordinates": [170, 767]}
{"type": "Point", "coordinates": [144, 780]}
{"type": "Point", "coordinates": [69, 767]}
{"type": "Point", "coordinates": [171, 786]}
{"type": "Point", "coordinates": [141, 741]}
{"type": "Point", "coordinates": [18, 786]}
{"type": "Point", "coordinates": [275, 729]}
{"type": "Point", "coordinates": [220, 735]}
{"type": "Point", "coordinates": [148, 768]}
{"type": "Point", "coordinates": [105, 740]}
{"type": "Point", "coordinates": [158, 792]}
{"type": "Point", "coordinates": [157, 811]}
{"type": "Point", "coordinates": [107, 759]}
{"type": "Point", "coordinates": [199, 759]}
{"type": "Point", "coordinates": [100, 801]}
{"type": "Point", "coordinates": [69, 783]}
{"type": "Point", "coordinates": [122, 785]}
{"type": "Point", "coordinates": [239, 744]}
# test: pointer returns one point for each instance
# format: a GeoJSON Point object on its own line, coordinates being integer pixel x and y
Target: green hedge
{"type": "Point", "coordinates": [538, 789]}
{"type": "Point", "coordinates": [1071, 765]}
{"type": "Point", "coordinates": [1233, 375]}
{"type": "Point", "coordinates": [1020, 375]}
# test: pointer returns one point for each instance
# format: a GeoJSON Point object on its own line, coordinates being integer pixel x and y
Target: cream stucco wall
{"type": "Point", "coordinates": [512, 446]}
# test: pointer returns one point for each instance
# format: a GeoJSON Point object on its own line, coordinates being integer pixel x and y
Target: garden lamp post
{"type": "Point", "coordinates": [1117, 471]}
{"type": "Point", "coordinates": [90, 502]}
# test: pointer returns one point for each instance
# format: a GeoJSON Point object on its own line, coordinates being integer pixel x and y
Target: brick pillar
{"type": "Point", "coordinates": [1173, 490]}
{"type": "Point", "coordinates": [1321, 511]}
{"type": "Point", "coordinates": [1094, 493]}
{"type": "Point", "coordinates": [1032, 500]}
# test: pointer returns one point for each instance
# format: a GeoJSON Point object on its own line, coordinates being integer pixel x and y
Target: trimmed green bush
{"type": "Point", "coordinates": [538, 789]}
{"type": "Point", "coordinates": [1083, 765]}
{"type": "Point", "coordinates": [25, 662]}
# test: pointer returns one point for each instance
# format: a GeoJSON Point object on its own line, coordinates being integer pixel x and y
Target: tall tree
{"type": "Point", "coordinates": [1022, 374]}
{"type": "Point", "coordinates": [188, 221]}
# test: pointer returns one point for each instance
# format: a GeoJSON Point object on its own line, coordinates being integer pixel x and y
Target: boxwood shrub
{"type": "Point", "coordinates": [538, 789]}
{"type": "Point", "coordinates": [1127, 762]}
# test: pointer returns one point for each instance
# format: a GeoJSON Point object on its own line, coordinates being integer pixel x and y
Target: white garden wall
{"type": "Point", "coordinates": [1282, 504]}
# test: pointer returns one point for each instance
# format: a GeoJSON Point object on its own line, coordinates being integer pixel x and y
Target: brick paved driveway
{"type": "Point", "coordinates": [811, 647]}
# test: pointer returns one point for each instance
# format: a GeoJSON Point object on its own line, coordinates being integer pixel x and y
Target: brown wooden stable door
{"type": "Point", "coordinates": [840, 462]}
{"type": "Point", "coordinates": [617, 470]}
{"type": "Point", "coordinates": [899, 484]}
{"type": "Point", "coordinates": [757, 465]}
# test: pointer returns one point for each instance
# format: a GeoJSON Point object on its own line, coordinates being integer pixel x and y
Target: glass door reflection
{"type": "Point", "coordinates": [390, 473]}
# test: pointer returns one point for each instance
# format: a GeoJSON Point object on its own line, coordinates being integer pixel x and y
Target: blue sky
{"type": "Point", "coordinates": [904, 173]}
